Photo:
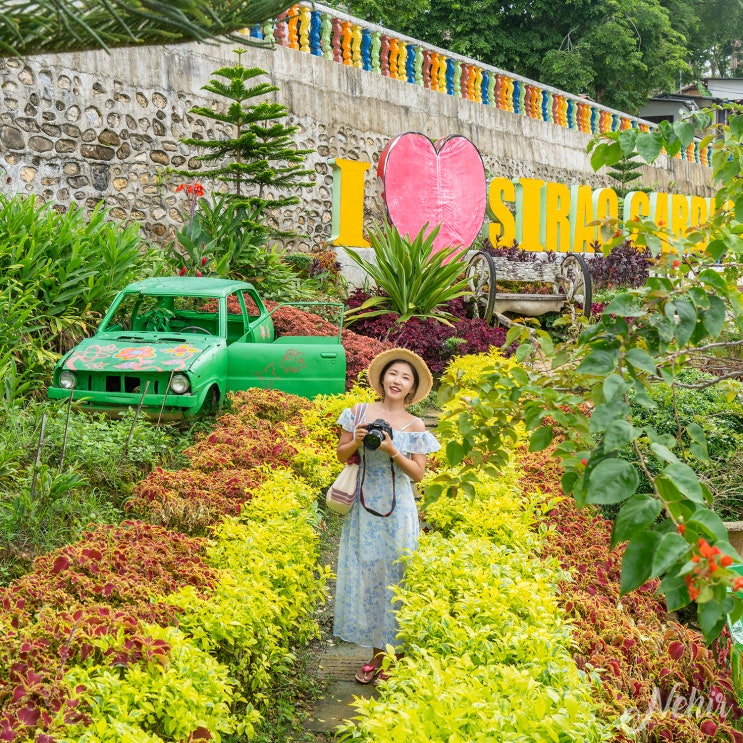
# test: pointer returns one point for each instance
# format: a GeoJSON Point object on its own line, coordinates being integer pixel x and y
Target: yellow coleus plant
{"type": "Point", "coordinates": [163, 699]}
{"type": "Point", "coordinates": [487, 647]}
{"type": "Point", "coordinates": [317, 437]}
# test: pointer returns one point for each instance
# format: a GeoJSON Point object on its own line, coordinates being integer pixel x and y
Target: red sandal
{"type": "Point", "coordinates": [381, 677]}
{"type": "Point", "coordinates": [367, 673]}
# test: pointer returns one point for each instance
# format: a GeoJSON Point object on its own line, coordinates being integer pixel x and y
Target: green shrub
{"type": "Point", "coordinates": [44, 507]}
{"type": "Point", "coordinates": [59, 273]}
{"type": "Point", "coordinates": [718, 410]}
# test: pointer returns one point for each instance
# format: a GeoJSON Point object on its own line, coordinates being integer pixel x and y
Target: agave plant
{"type": "Point", "coordinates": [414, 280]}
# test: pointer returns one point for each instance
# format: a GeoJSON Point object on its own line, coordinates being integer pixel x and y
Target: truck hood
{"type": "Point", "coordinates": [134, 352]}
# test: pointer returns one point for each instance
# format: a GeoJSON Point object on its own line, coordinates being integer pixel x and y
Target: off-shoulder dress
{"type": "Point", "coordinates": [370, 546]}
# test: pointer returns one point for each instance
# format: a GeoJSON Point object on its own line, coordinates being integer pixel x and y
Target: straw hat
{"type": "Point", "coordinates": [378, 363]}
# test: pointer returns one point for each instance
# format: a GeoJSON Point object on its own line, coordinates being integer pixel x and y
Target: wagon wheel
{"type": "Point", "coordinates": [481, 283]}
{"type": "Point", "coordinates": [575, 283]}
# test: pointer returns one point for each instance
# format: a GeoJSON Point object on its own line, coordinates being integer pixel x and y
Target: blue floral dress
{"type": "Point", "coordinates": [370, 547]}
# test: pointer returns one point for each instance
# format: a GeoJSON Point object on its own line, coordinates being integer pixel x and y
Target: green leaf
{"type": "Point", "coordinates": [649, 145]}
{"type": "Point", "coordinates": [618, 435]}
{"type": "Point", "coordinates": [541, 438]}
{"type": "Point", "coordinates": [696, 433]}
{"type": "Point", "coordinates": [684, 131]}
{"type": "Point", "coordinates": [626, 139]}
{"type": "Point", "coordinates": [716, 249]}
{"type": "Point", "coordinates": [603, 415]}
{"type": "Point", "coordinates": [639, 512]}
{"type": "Point", "coordinates": [710, 523]}
{"type": "Point", "coordinates": [454, 453]}
{"type": "Point", "coordinates": [640, 359]}
{"type": "Point", "coordinates": [614, 388]}
{"type": "Point", "coordinates": [663, 452]}
{"type": "Point", "coordinates": [713, 615]}
{"type": "Point", "coordinates": [685, 480]}
{"type": "Point", "coordinates": [599, 363]}
{"type": "Point", "coordinates": [672, 546]}
{"type": "Point", "coordinates": [611, 481]}
{"type": "Point", "coordinates": [699, 451]}
{"type": "Point", "coordinates": [714, 318]}
{"type": "Point", "coordinates": [523, 351]}
{"type": "Point", "coordinates": [637, 562]}
{"type": "Point", "coordinates": [714, 280]}
{"type": "Point", "coordinates": [687, 319]}
{"type": "Point", "coordinates": [674, 589]}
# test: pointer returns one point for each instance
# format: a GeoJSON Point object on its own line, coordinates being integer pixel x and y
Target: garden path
{"type": "Point", "coordinates": [337, 662]}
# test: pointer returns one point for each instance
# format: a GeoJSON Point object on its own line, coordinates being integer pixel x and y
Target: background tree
{"type": "Point", "coordinates": [386, 13]}
{"type": "Point", "coordinates": [615, 52]}
{"type": "Point", "coordinates": [715, 38]}
{"type": "Point", "coordinates": [259, 149]}
{"type": "Point", "coordinates": [48, 26]}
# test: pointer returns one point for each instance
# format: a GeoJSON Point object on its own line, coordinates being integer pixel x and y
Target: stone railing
{"type": "Point", "coordinates": [326, 32]}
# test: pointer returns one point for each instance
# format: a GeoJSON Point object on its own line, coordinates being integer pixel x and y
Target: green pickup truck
{"type": "Point", "coordinates": [176, 346]}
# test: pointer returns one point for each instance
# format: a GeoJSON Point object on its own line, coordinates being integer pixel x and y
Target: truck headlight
{"type": "Point", "coordinates": [180, 384]}
{"type": "Point", "coordinates": [67, 380]}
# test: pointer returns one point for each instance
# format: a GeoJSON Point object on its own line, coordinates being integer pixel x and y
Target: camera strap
{"type": "Point", "coordinates": [361, 491]}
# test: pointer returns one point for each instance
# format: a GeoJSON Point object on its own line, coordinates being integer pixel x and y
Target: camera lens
{"type": "Point", "coordinates": [373, 440]}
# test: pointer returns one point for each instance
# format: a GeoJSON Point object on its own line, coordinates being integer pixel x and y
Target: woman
{"type": "Point", "coordinates": [383, 523]}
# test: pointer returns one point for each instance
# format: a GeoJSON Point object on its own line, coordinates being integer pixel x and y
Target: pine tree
{"type": "Point", "coordinates": [260, 159]}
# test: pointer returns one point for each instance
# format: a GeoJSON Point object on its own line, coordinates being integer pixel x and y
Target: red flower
{"type": "Point", "coordinates": [203, 261]}
{"type": "Point", "coordinates": [196, 189]}
{"type": "Point", "coordinates": [198, 273]}
{"type": "Point", "coordinates": [182, 272]}
{"type": "Point", "coordinates": [726, 560]}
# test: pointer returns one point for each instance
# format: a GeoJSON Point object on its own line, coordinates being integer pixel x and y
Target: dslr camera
{"type": "Point", "coordinates": [375, 433]}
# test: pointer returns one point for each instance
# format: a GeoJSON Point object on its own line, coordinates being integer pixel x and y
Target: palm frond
{"type": "Point", "coordinates": [52, 26]}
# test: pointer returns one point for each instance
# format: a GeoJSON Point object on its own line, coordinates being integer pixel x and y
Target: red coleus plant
{"type": "Point", "coordinates": [103, 585]}
{"type": "Point", "coordinates": [117, 565]}
{"type": "Point", "coordinates": [655, 671]}
{"type": "Point", "coordinates": [191, 501]}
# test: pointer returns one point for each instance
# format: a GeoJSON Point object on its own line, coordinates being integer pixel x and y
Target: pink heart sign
{"type": "Point", "coordinates": [435, 183]}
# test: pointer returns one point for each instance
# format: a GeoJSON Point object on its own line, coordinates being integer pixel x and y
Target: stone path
{"type": "Point", "coordinates": [336, 668]}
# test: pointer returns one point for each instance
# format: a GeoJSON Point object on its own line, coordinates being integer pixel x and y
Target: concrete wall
{"type": "Point", "coordinates": [85, 127]}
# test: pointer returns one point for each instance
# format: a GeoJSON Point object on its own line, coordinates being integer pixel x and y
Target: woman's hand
{"type": "Point", "coordinates": [388, 445]}
{"type": "Point", "coordinates": [358, 435]}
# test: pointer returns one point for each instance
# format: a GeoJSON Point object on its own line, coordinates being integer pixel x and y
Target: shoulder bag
{"type": "Point", "coordinates": [342, 493]}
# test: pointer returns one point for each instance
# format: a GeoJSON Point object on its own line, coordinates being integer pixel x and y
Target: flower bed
{"type": "Point", "coordinates": [138, 633]}
{"type": "Point", "coordinates": [656, 674]}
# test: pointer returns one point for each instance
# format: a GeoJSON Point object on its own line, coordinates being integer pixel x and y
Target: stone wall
{"type": "Point", "coordinates": [95, 126]}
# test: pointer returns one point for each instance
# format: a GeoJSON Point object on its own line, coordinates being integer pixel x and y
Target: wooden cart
{"type": "Point", "coordinates": [569, 278]}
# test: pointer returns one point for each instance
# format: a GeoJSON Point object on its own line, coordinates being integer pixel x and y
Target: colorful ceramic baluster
{"type": "Point", "coordinates": [315, 29]}
{"type": "Point", "coordinates": [376, 48]}
{"type": "Point", "coordinates": [326, 36]}
{"type": "Point", "coordinates": [292, 27]}
{"type": "Point", "coordinates": [304, 28]}
{"type": "Point", "coordinates": [366, 42]}
{"type": "Point", "coordinates": [356, 38]}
